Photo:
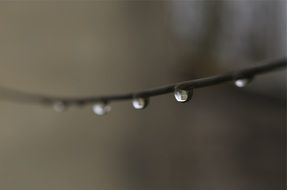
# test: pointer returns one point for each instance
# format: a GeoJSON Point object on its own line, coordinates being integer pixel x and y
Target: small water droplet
{"type": "Point", "coordinates": [140, 103]}
{"type": "Point", "coordinates": [101, 108]}
{"type": "Point", "coordinates": [242, 82]}
{"type": "Point", "coordinates": [182, 95]}
{"type": "Point", "coordinates": [59, 106]}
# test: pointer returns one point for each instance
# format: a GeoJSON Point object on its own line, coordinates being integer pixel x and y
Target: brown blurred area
{"type": "Point", "coordinates": [225, 138]}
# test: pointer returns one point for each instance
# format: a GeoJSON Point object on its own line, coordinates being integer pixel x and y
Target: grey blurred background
{"type": "Point", "coordinates": [226, 138]}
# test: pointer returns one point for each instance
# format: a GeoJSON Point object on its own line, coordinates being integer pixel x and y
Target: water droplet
{"type": "Point", "coordinates": [59, 106]}
{"type": "Point", "coordinates": [140, 103]}
{"type": "Point", "coordinates": [182, 95]}
{"type": "Point", "coordinates": [101, 108]}
{"type": "Point", "coordinates": [242, 82]}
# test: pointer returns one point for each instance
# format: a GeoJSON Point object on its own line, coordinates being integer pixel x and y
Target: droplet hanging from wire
{"type": "Point", "coordinates": [140, 103]}
{"type": "Point", "coordinates": [59, 106]}
{"type": "Point", "coordinates": [101, 108]}
{"type": "Point", "coordinates": [242, 82]}
{"type": "Point", "coordinates": [182, 94]}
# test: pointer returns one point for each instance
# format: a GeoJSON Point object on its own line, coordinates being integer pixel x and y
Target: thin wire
{"type": "Point", "coordinates": [19, 96]}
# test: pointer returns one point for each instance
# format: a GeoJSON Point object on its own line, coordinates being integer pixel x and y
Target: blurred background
{"type": "Point", "coordinates": [226, 138]}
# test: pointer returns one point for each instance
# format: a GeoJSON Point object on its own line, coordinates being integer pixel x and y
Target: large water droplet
{"type": "Point", "coordinates": [59, 106]}
{"type": "Point", "coordinates": [182, 95]}
{"type": "Point", "coordinates": [242, 82]}
{"type": "Point", "coordinates": [101, 108]}
{"type": "Point", "coordinates": [140, 103]}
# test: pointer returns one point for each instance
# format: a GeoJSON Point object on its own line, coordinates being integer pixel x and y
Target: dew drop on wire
{"type": "Point", "coordinates": [242, 82]}
{"type": "Point", "coordinates": [182, 95]}
{"type": "Point", "coordinates": [101, 108]}
{"type": "Point", "coordinates": [59, 106]}
{"type": "Point", "coordinates": [140, 103]}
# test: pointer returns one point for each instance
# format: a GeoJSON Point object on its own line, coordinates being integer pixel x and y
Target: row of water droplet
{"type": "Point", "coordinates": [181, 94]}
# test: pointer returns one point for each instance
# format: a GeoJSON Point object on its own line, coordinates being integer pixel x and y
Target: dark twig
{"type": "Point", "coordinates": [15, 95]}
